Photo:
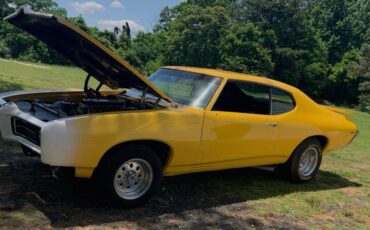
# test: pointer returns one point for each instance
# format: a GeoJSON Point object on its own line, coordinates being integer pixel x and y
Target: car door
{"type": "Point", "coordinates": [239, 126]}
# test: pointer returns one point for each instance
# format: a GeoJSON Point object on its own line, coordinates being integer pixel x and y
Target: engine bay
{"type": "Point", "coordinates": [46, 110]}
{"type": "Point", "coordinates": [47, 107]}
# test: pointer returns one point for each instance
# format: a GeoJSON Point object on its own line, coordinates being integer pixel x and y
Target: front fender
{"type": "Point", "coordinates": [82, 141]}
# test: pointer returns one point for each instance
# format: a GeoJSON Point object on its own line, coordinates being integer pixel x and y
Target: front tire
{"type": "Point", "coordinates": [130, 177]}
{"type": "Point", "coordinates": [305, 161]}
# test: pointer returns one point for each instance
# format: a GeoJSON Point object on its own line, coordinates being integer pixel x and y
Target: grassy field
{"type": "Point", "coordinates": [16, 75]}
{"type": "Point", "coordinates": [23, 76]}
{"type": "Point", "coordinates": [338, 198]}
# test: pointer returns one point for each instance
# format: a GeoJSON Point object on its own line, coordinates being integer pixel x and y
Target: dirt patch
{"type": "Point", "coordinates": [30, 197]}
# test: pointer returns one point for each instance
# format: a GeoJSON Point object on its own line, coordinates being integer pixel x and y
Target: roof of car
{"type": "Point", "coordinates": [232, 75]}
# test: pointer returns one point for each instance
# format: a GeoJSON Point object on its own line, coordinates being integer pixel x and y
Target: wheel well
{"type": "Point", "coordinates": [161, 149]}
{"type": "Point", "coordinates": [322, 139]}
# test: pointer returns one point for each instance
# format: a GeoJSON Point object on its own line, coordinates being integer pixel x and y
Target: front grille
{"type": "Point", "coordinates": [26, 130]}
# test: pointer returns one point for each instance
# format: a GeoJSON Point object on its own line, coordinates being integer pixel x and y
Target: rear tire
{"type": "Point", "coordinates": [130, 177]}
{"type": "Point", "coordinates": [305, 161]}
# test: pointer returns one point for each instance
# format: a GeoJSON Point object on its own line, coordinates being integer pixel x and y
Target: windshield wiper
{"type": "Point", "coordinates": [181, 101]}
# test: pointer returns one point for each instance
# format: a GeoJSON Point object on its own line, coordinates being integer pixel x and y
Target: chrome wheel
{"type": "Point", "coordinates": [308, 162]}
{"type": "Point", "coordinates": [133, 178]}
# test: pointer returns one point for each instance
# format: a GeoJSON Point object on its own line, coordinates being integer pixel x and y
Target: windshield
{"type": "Point", "coordinates": [186, 88]}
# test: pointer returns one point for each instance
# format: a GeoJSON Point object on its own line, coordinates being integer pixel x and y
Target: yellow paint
{"type": "Point", "coordinates": [84, 172]}
{"type": "Point", "coordinates": [199, 139]}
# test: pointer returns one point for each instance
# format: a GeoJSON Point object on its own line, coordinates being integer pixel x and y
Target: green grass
{"type": "Point", "coordinates": [339, 198]}
{"type": "Point", "coordinates": [16, 75]}
{"type": "Point", "coordinates": [23, 76]}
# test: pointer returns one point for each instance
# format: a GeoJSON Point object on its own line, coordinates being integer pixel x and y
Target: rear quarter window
{"type": "Point", "coordinates": [281, 101]}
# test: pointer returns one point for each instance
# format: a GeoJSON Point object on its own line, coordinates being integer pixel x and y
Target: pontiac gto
{"type": "Point", "coordinates": [179, 120]}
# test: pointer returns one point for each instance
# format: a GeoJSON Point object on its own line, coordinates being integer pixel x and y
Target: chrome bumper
{"type": "Point", "coordinates": [354, 137]}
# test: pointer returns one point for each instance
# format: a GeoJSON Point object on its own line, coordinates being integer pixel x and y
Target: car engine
{"type": "Point", "coordinates": [51, 110]}
{"type": "Point", "coordinates": [89, 102]}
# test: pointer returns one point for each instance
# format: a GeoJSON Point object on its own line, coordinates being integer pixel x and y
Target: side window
{"type": "Point", "coordinates": [282, 102]}
{"type": "Point", "coordinates": [244, 97]}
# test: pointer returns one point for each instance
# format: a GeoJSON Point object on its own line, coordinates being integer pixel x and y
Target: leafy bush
{"type": "Point", "coordinates": [4, 50]}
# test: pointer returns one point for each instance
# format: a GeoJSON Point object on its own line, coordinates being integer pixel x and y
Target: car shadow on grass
{"type": "Point", "coordinates": [68, 202]}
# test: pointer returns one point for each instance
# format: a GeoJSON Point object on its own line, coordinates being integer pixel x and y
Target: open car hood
{"type": "Point", "coordinates": [82, 50]}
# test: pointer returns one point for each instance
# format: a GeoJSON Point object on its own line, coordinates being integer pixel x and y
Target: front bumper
{"type": "Point", "coordinates": [9, 111]}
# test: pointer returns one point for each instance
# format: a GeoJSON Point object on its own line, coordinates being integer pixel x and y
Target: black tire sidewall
{"type": "Point", "coordinates": [109, 168]}
{"type": "Point", "coordinates": [295, 159]}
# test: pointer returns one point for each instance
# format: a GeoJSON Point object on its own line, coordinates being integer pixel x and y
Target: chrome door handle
{"type": "Point", "coordinates": [272, 124]}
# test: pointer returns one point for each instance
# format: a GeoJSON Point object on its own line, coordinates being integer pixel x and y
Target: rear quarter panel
{"type": "Point", "coordinates": [309, 119]}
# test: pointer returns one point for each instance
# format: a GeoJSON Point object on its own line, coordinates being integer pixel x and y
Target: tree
{"type": "Point", "coordinates": [361, 70]}
{"type": "Point", "coordinates": [80, 22]}
{"type": "Point", "coordinates": [243, 50]}
{"type": "Point", "coordinates": [4, 50]}
{"type": "Point", "coordinates": [22, 45]}
{"type": "Point", "coordinates": [126, 29]}
{"type": "Point", "coordinates": [342, 24]}
{"type": "Point", "coordinates": [341, 86]}
{"type": "Point", "coordinates": [149, 50]}
{"type": "Point", "coordinates": [117, 30]}
{"type": "Point", "coordinates": [296, 47]}
{"type": "Point", "coordinates": [195, 35]}
{"type": "Point", "coordinates": [312, 44]}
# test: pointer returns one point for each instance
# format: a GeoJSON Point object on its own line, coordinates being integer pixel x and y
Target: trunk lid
{"type": "Point", "coordinates": [337, 110]}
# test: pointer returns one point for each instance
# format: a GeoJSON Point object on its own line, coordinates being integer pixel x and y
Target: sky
{"type": "Point", "coordinates": [106, 14]}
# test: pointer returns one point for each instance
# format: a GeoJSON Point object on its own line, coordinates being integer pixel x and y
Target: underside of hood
{"type": "Point", "coordinates": [82, 50]}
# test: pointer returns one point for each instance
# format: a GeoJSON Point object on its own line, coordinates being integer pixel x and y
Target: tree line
{"type": "Point", "coordinates": [319, 46]}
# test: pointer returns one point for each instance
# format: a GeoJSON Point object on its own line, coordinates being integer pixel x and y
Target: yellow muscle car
{"type": "Point", "coordinates": [179, 120]}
